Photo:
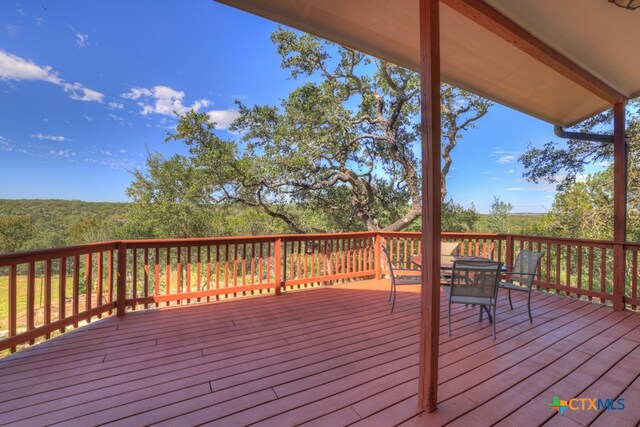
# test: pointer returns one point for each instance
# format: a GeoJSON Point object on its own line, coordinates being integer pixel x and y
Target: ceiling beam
{"type": "Point", "coordinates": [483, 14]}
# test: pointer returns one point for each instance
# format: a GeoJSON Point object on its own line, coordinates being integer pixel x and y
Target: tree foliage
{"type": "Point", "coordinates": [499, 221]}
{"type": "Point", "coordinates": [457, 218]}
{"type": "Point", "coordinates": [15, 232]}
{"type": "Point", "coordinates": [563, 162]}
{"type": "Point", "coordinates": [583, 208]}
{"type": "Point", "coordinates": [339, 153]}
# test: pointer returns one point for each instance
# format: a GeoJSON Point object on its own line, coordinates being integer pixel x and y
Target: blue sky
{"type": "Point", "coordinates": [86, 88]}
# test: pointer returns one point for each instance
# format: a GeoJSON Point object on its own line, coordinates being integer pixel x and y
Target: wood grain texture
{"type": "Point", "coordinates": [324, 356]}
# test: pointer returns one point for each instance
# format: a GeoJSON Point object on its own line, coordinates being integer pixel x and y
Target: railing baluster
{"type": "Point", "coordinates": [47, 294]}
{"type": "Point", "coordinates": [260, 262]}
{"type": "Point", "coordinates": [145, 281]}
{"type": "Point", "coordinates": [568, 261]}
{"type": "Point", "coordinates": [603, 272]}
{"type": "Point", "coordinates": [62, 287]}
{"type": "Point", "coordinates": [76, 286]}
{"type": "Point", "coordinates": [156, 285]}
{"type": "Point", "coordinates": [167, 279]}
{"type": "Point", "coordinates": [87, 280]}
{"type": "Point", "coordinates": [31, 298]}
{"type": "Point", "coordinates": [244, 267]}
{"type": "Point", "coordinates": [179, 273]}
{"type": "Point", "coordinates": [199, 270]}
{"type": "Point", "coordinates": [591, 271]}
{"type": "Point", "coordinates": [99, 285]}
{"type": "Point", "coordinates": [188, 270]}
{"type": "Point", "coordinates": [226, 267]}
{"type": "Point", "coordinates": [110, 277]}
{"type": "Point", "coordinates": [558, 251]}
{"type": "Point", "coordinates": [13, 299]}
{"type": "Point", "coordinates": [579, 278]}
{"type": "Point", "coordinates": [208, 271]}
{"type": "Point", "coordinates": [634, 275]}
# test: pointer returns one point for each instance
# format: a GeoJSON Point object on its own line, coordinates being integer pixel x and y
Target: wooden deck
{"type": "Point", "coordinates": [330, 356]}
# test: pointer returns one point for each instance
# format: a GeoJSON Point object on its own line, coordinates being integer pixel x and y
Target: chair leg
{"type": "Point", "coordinates": [449, 318]}
{"type": "Point", "coordinates": [480, 315]}
{"type": "Point", "coordinates": [495, 304]}
{"type": "Point", "coordinates": [393, 303]}
{"type": "Point", "coordinates": [510, 304]}
{"type": "Point", "coordinates": [390, 290]}
{"type": "Point", "coordinates": [529, 306]}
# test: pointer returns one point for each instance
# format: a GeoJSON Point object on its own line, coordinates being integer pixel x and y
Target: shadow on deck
{"type": "Point", "coordinates": [329, 356]}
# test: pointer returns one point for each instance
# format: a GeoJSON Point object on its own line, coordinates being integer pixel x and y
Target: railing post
{"type": "Point", "coordinates": [619, 204]}
{"type": "Point", "coordinates": [121, 287]}
{"type": "Point", "coordinates": [509, 252]}
{"type": "Point", "coordinates": [619, 276]}
{"type": "Point", "coordinates": [378, 256]}
{"type": "Point", "coordinates": [277, 255]}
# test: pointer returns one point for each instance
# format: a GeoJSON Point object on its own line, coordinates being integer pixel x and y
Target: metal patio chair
{"type": "Point", "coordinates": [398, 271]}
{"type": "Point", "coordinates": [474, 282]}
{"type": "Point", "coordinates": [521, 276]}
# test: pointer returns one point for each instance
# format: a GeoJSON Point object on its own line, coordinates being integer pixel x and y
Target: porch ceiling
{"type": "Point", "coordinates": [596, 35]}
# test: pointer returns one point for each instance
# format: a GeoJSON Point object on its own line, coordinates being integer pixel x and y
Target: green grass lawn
{"type": "Point", "coordinates": [22, 298]}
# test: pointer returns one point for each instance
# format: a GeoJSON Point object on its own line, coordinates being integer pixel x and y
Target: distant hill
{"type": "Point", "coordinates": [48, 207]}
{"type": "Point", "coordinates": [65, 222]}
{"type": "Point", "coordinates": [53, 223]}
{"type": "Point", "coordinates": [520, 223]}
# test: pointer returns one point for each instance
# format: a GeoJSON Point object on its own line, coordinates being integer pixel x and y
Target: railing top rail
{"type": "Point", "coordinates": [444, 234]}
{"type": "Point", "coordinates": [567, 240]}
{"type": "Point", "coordinates": [53, 253]}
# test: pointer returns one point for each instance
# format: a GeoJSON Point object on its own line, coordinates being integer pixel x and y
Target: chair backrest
{"type": "Point", "coordinates": [526, 264]}
{"type": "Point", "coordinates": [388, 260]}
{"type": "Point", "coordinates": [475, 278]}
{"type": "Point", "coordinates": [449, 248]}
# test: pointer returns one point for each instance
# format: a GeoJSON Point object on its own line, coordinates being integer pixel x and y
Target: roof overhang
{"type": "Point", "coordinates": [579, 56]}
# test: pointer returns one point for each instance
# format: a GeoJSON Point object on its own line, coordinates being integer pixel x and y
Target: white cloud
{"type": "Point", "coordinates": [511, 171]}
{"type": "Point", "coordinates": [168, 101]}
{"type": "Point", "coordinates": [514, 189]}
{"type": "Point", "coordinates": [62, 153]}
{"type": "Point", "coordinates": [87, 118]}
{"type": "Point", "coordinates": [493, 178]}
{"type": "Point", "coordinates": [223, 118]}
{"type": "Point", "coordinates": [604, 163]}
{"type": "Point", "coordinates": [503, 160]}
{"type": "Point", "coordinates": [57, 138]}
{"type": "Point", "coordinates": [115, 106]}
{"type": "Point", "coordinates": [5, 145]}
{"type": "Point", "coordinates": [505, 157]}
{"type": "Point", "coordinates": [162, 100]}
{"type": "Point", "coordinates": [13, 30]}
{"type": "Point", "coordinates": [39, 20]}
{"type": "Point", "coordinates": [78, 92]}
{"type": "Point", "coordinates": [13, 67]}
{"type": "Point", "coordinates": [82, 40]}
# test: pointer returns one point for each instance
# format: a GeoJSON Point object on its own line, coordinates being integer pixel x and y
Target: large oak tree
{"type": "Point", "coordinates": [340, 152]}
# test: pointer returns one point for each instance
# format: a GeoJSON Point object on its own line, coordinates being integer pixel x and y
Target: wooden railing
{"type": "Point", "coordinates": [49, 291]}
{"type": "Point", "coordinates": [70, 285]}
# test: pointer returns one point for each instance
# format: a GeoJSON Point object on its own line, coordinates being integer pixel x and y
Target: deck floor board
{"type": "Point", "coordinates": [326, 357]}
